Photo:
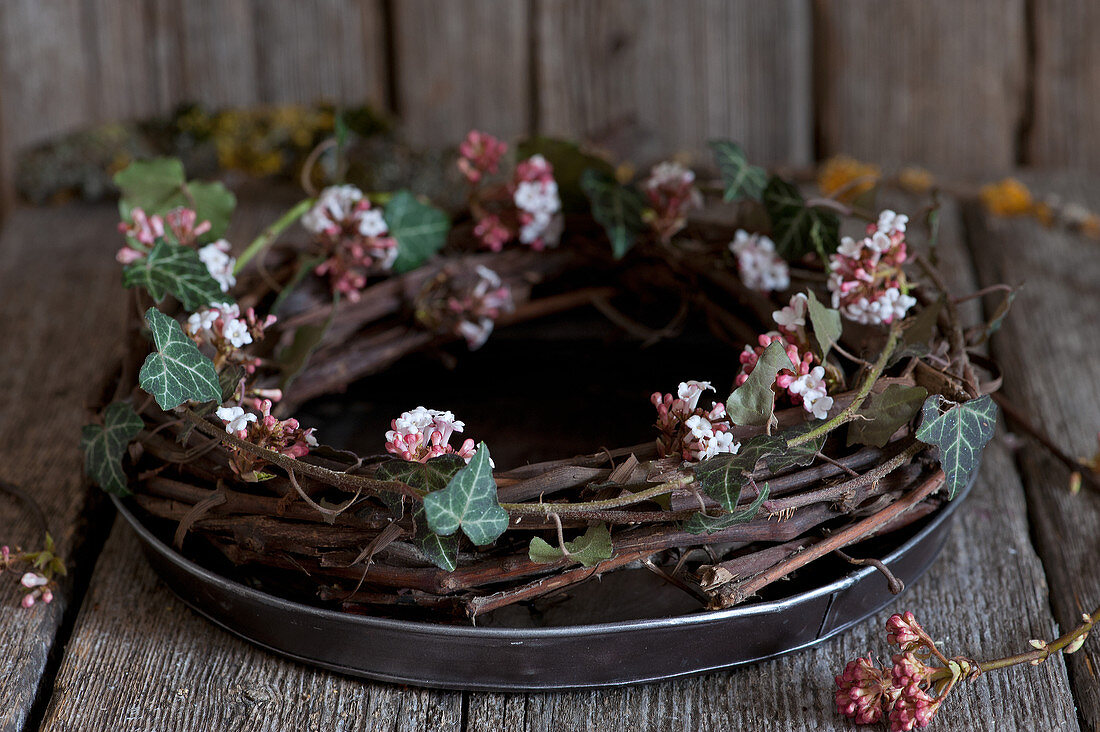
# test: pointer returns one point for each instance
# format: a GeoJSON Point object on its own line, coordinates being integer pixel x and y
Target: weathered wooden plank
{"type": "Point", "coordinates": [217, 61]}
{"type": "Point", "coordinates": [320, 50]}
{"type": "Point", "coordinates": [939, 83]}
{"type": "Point", "coordinates": [649, 77]}
{"type": "Point", "coordinates": [1052, 371]}
{"type": "Point", "coordinates": [141, 660]}
{"type": "Point", "coordinates": [460, 65]}
{"type": "Point", "coordinates": [986, 595]}
{"type": "Point", "coordinates": [60, 315]}
{"type": "Point", "coordinates": [1066, 75]}
{"type": "Point", "coordinates": [122, 61]}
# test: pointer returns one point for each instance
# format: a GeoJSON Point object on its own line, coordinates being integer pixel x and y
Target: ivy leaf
{"type": "Point", "coordinates": [701, 523]}
{"type": "Point", "coordinates": [616, 207]}
{"type": "Point", "coordinates": [918, 331]}
{"type": "Point", "coordinates": [741, 179]}
{"type": "Point", "coordinates": [723, 477]}
{"type": "Point", "coordinates": [885, 413]}
{"type": "Point", "coordinates": [753, 402]}
{"type": "Point", "coordinates": [431, 476]}
{"type": "Point", "coordinates": [420, 229]}
{"type": "Point", "coordinates": [960, 433]}
{"type": "Point", "coordinates": [157, 186]}
{"type": "Point", "coordinates": [469, 501]}
{"type": "Point", "coordinates": [176, 372]}
{"type": "Point", "coordinates": [104, 445]}
{"type": "Point", "coordinates": [789, 456]}
{"type": "Point", "coordinates": [441, 550]}
{"type": "Point", "coordinates": [591, 548]}
{"type": "Point", "coordinates": [826, 324]}
{"type": "Point", "coordinates": [229, 378]}
{"type": "Point", "coordinates": [798, 229]}
{"type": "Point", "coordinates": [173, 269]}
{"type": "Point", "coordinates": [569, 162]}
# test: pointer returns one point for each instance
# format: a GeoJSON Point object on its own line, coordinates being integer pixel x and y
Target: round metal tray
{"type": "Point", "coordinates": [566, 656]}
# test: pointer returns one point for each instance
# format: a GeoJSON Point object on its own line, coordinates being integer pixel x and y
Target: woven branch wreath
{"type": "Point", "coordinates": [854, 406]}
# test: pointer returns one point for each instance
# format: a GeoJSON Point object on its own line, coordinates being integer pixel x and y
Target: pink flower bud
{"type": "Point", "coordinates": [28, 601]}
{"type": "Point", "coordinates": [32, 580]}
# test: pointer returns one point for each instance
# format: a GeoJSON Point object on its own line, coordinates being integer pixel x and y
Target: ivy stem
{"type": "Point", "coordinates": [272, 232]}
{"type": "Point", "coordinates": [1041, 654]}
{"type": "Point", "coordinates": [565, 509]}
{"type": "Point", "coordinates": [846, 414]}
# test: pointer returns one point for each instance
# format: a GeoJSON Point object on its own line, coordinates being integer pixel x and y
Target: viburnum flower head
{"type": "Point", "coordinates": [759, 266]}
{"type": "Point", "coordinates": [804, 382]}
{"type": "Point", "coordinates": [218, 262]}
{"type": "Point", "coordinates": [479, 155]}
{"type": "Point", "coordinates": [688, 430]}
{"type": "Point", "coordinates": [865, 276]}
{"type": "Point", "coordinates": [864, 691]}
{"type": "Point", "coordinates": [671, 192]}
{"type": "Point", "coordinates": [354, 236]}
{"type": "Point", "coordinates": [535, 195]}
{"type": "Point", "coordinates": [422, 434]}
{"type": "Point", "coordinates": [284, 436]}
{"type": "Point", "coordinates": [222, 327]}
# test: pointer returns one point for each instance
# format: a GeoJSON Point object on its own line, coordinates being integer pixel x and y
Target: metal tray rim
{"type": "Point", "coordinates": [472, 631]}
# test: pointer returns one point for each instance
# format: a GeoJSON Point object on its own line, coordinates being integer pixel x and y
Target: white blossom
{"type": "Point", "coordinates": [31, 580]}
{"type": "Point", "coordinates": [819, 406]}
{"type": "Point", "coordinates": [850, 248]}
{"type": "Point", "coordinates": [757, 263]}
{"type": "Point", "coordinates": [890, 222]}
{"type": "Point", "coordinates": [793, 315]}
{"type": "Point", "coordinates": [236, 419]}
{"type": "Point", "coordinates": [218, 262]}
{"type": "Point", "coordinates": [334, 205]}
{"type": "Point", "coordinates": [236, 332]}
{"type": "Point", "coordinates": [690, 391]}
{"type": "Point", "coordinates": [373, 223]}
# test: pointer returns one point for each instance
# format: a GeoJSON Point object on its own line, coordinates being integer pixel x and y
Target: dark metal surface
{"type": "Point", "coordinates": [542, 658]}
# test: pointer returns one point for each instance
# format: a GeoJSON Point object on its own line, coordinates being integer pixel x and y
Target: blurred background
{"type": "Point", "coordinates": [968, 88]}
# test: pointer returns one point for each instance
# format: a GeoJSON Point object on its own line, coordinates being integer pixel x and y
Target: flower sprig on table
{"type": "Point", "coordinates": [38, 571]}
{"type": "Point", "coordinates": [914, 688]}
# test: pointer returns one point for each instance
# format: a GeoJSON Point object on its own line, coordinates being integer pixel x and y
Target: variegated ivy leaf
{"type": "Point", "coordinates": [420, 230]}
{"type": "Point", "coordinates": [431, 476]}
{"type": "Point", "coordinates": [885, 413]}
{"type": "Point", "coordinates": [789, 456]}
{"type": "Point", "coordinates": [469, 501]}
{"type": "Point", "coordinates": [741, 180]}
{"type": "Point", "coordinates": [701, 523]}
{"type": "Point", "coordinates": [826, 324]}
{"type": "Point", "coordinates": [176, 371]}
{"type": "Point", "coordinates": [173, 269]}
{"type": "Point", "coordinates": [798, 229]}
{"type": "Point", "coordinates": [960, 433]}
{"type": "Point", "coordinates": [753, 402]}
{"type": "Point", "coordinates": [723, 477]}
{"type": "Point", "coordinates": [104, 446]}
{"type": "Point", "coordinates": [591, 548]}
{"type": "Point", "coordinates": [617, 207]}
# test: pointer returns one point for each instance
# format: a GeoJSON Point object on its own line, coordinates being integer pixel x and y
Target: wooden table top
{"type": "Point", "coordinates": [117, 651]}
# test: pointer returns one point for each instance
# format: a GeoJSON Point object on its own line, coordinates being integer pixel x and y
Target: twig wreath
{"type": "Point", "coordinates": [855, 408]}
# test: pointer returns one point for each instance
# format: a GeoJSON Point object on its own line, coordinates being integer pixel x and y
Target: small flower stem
{"type": "Point", "coordinates": [1041, 654]}
{"type": "Point", "coordinates": [846, 414]}
{"type": "Point", "coordinates": [271, 233]}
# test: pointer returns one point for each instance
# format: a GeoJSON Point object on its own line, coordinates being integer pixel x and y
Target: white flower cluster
{"type": "Point", "coordinates": [706, 441]}
{"type": "Point", "coordinates": [863, 274]}
{"type": "Point", "coordinates": [890, 306]}
{"type": "Point", "coordinates": [232, 328]}
{"type": "Point", "coordinates": [669, 173]}
{"type": "Point", "coordinates": [811, 387]}
{"type": "Point", "coordinates": [425, 421]}
{"type": "Point", "coordinates": [334, 206]}
{"type": "Point", "coordinates": [540, 200]}
{"type": "Point", "coordinates": [235, 418]}
{"type": "Point", "coordinates": [220, 265]}
{"type": "Point", "coordinates": [757, 263]}
{"type": "Point", "coordinates": [490, 298]}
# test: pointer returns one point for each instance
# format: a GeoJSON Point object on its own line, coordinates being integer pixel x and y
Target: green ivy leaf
{"type": "Point", "coordinates": [804, 454]}
{"type": "Point", "coordinates": [753, 402]}
{"type": "Point", "coordinates": [469, 501]}
{"type": "Point", "coordinates": [104, 445]}
{"type": "Point", "coordinates": [700, 523]}
{"type": "Point", "coordinates": [431, 476]}
{"type": "Point", "coordinates": [826, 324]}
{"type": "Point", "coordinates": [157, 186]}
{"type": "Point", "coordinates": [723, 477]}
{"type": "Point", "coordinates": [420, 229]}
{"type": "Point", "coordinates": [176, 372]}
{"type": "Point", "coordinates": [616, 207]}
{"type": "Point", "coordinates": [960, 433]}
{"type": "Point", "coordinates": [173, 269]}
{"type": "Point", "coordinates": [741, 179]}
{"type": "Point", "coordinates": [569, 162]}
{"type": "Point", "coordinates": [591, 548]}
{"type": "Point", "coordinates": [885, 413]}
{"type": "Point", "coordinates": [917, 332]}
{"type": "Point", "coordinates": [798, 229]}
{"type": "Point", "coordinates": [229, 378]}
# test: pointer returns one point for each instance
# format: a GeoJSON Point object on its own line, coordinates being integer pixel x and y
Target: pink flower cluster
{"type": "Point", "coordinates": [479, 155]}
{"type": "Point", "coordinates": [144, 230]}
{"type": "Point", "coordinates": [354, 236]}
{"type": "Point", "coordinates": [527, 209]}
{"type": "Point", "coordinates": [222, 328]}
{"type": "Point", "coordinates": [672, 194]}
{"type": "Point", "coordinates": [688, 430]}
{"type": "Point", "coordinates": [36, 585]}
{"type": "Point", "coordinates": [758, 265]}
{"type": "Point", "coordinates": [911, 692]}
{"type": "Point", "coordinates": [803, 382]}
{"type": "Point", "coordinates": [866, 277]}
{"type": "Point", "coordinates": [284, 436]}
{"type": "Point", "coordinates": [478, 309]}
{"type": "Point", "coordinates": [423, 434]}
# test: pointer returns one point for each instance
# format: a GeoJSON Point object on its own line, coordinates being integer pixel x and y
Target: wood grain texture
{"type": "Point", "coordinates": [60, 313]}
{"type": "Point", "coordinates": [1066, 76]}
{"type": "Point", "coordinates": [1051, 362]}
{"type": "Point", "coordinates": [647, 78]}
{"type": "Point", "coordinates": [460, 65]}
{"type": "Point", "coordinates": [939, 83]}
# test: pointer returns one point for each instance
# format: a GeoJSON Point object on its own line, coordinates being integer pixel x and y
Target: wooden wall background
{"type": "Point", "coordinates": [966, 87]}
